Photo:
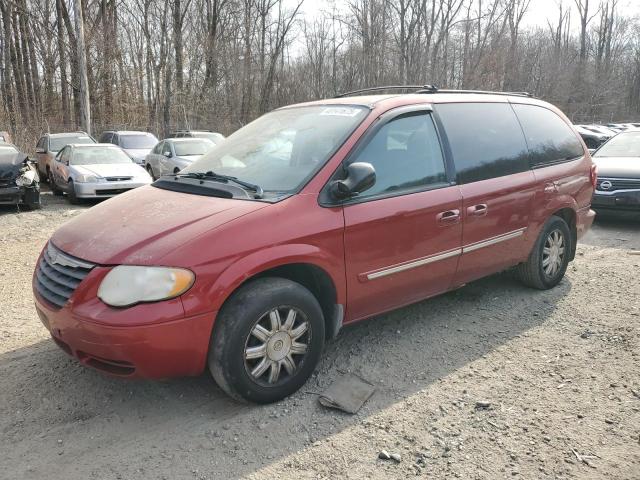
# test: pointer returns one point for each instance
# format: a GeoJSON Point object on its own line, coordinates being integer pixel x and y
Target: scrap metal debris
{"type": "Point", "coordinates": [349, 393]}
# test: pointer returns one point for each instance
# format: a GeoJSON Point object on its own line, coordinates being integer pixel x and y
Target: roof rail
{"type": "Point", "coordinates": [388, 87]}
{"type": "Point", "coordinates": [430, 89]}
{"type": "Point", "coordinates": [480, 92]}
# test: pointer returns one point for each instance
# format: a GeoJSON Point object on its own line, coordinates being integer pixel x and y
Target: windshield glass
{"type": "Point", "coordinates": [5, 149]}
{"type": "Point", "coordinates": [622, 145]}
{"type": "Point", "coordinates": [146, 141]}
{"type": "Point", "coordinates": [192, 147]}
{"type": "Point", "coordinates": [98, 155]}
{"type": "Point", "coordinates": [214, 137]}
{"type": "Point", "coordinates": [281, 150]}
{"type": "Point", "coordinates": [57, 144]}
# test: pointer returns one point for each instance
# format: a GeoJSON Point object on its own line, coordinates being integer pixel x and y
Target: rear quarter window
{"type": "Point", "coordinates": [548, 136]}
{"type": "Point", "coordinates": [486, 140]}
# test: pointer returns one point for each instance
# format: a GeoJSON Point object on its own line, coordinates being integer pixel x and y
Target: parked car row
{"type": "Point", "coordinates": [75, 164]}
{"type": "Point", "coordinates": [595, 135]}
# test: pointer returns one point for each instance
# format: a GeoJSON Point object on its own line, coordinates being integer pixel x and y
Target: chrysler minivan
{"type": "Point", "coordinates": [312, 217]}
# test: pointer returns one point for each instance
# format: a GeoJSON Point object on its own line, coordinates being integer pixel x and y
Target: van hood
{"type": "Point", "coordinates": [142, 226]}
{"type": "Point", "coordinates": [618, 167]}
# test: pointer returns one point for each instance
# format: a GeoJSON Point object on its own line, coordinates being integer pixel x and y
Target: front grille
{"type": "Point", "coordinates": [618, 184]}
{"type": "Point", "coordinates": [111, 191]}
{"type": "Point", "coordinates": [118, 179]}
{"type": "Point", "coordinates": [58, 275]}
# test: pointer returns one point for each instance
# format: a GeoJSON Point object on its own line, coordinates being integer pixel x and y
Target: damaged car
{"type": "Point", "coordinates": [19, 182]}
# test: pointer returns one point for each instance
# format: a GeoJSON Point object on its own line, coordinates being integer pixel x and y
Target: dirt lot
{"type": "Point", "coordinates": [558, 370]}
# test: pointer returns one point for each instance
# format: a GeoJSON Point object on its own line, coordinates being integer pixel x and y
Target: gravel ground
{"type": "Point", "coordinates": [491, 381]}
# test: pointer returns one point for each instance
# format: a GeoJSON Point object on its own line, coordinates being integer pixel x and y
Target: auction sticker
{"type": "Point", "coordinates": [341, 111]}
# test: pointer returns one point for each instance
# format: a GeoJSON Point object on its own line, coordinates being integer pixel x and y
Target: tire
{"type": "Point", "coordinates": [273, 349]}
{"type": "Point", "coordinates": [72, 194]}
{"type": "Point", "coordinates": [542, 270]}
{"type": "Point", "coordinates": [52, 184]}
{"type": "Point", "coordinates": [150, 172]}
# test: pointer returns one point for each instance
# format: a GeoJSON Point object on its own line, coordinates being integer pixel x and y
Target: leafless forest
{"type": "Point", "coordinates": [217, 64]}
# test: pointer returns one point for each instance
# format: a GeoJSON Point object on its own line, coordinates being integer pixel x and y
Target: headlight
{"type": "Point", "coordinates": [127, 285]}
{"type": "Point", "coordinates": [26, 178]}
{"type": "Point", "coordinates": [88, 179]}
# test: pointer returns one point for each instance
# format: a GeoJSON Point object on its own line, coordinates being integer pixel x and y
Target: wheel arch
{"type": "Point", "coordinates": [569, 215]}
{"type": "Point", "coordinates": [304, 264]}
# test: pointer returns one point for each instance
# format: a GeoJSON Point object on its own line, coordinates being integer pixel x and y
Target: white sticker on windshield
{"type": "Point", "coordinates": [340, 111]}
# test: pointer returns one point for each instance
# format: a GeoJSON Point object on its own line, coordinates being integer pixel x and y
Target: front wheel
{"type": "Point", "coordinates": [549, 258]}
{"type": "Point", "coordinates": [150, 172]}
{"type": "Point", "coordinates": [73, 199]}
{"type": "Point", "coordinates": [267, 340]}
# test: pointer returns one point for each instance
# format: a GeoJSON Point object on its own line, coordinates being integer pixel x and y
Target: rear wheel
{"type": "Point", "coordinates": [549, 258]}
{"type": "Point", "coordinates": [267, 340]}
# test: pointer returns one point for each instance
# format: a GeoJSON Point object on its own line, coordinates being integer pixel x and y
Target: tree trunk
{"type": "Point", "coordinates": [64, 87]}
{"type": "Point", "coordinates": [85, 107]}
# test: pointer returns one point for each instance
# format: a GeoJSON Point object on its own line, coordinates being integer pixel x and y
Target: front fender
{"type": "Point", "coordinates": [210, 296]}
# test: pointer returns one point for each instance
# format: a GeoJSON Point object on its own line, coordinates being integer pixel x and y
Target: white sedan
{"type": "Point", "coordinates": [173, 154]}
{"type": "Point", "coordinates": [98, 170]}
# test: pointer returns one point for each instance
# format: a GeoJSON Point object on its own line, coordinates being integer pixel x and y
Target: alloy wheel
{"type": "Point", "coordinates": [553, 253]}
{"type": "Point", "coordinates": [277, 345]}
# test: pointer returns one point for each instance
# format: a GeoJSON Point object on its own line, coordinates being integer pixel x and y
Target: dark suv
{"type": "Point", "coordinates": [312, 217]}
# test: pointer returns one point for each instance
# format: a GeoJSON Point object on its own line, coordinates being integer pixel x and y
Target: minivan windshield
{"type": "Point", "coordinates": [625, 144]}
{"type": "Point", "coordinates": [282, 150]}
{"type": "Point", "coordinates": [98, 155]}
{"type": "Point", "coordinates": [142, 141]}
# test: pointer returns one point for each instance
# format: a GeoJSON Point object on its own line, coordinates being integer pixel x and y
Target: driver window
{"type": "Point", "coordinates": [405, 154]}
{"type": "Point", "coordinates": [166, 149]}
{"type": "Point", "coordinates": [63, 156]}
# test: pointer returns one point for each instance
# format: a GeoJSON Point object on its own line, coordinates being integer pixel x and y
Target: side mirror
{"type": "Point", "coordinates": [360, 177]}
{"type": "Point", "coordinates": [40, 150]}
{"type": "Point", "coordinates": [167, 154]}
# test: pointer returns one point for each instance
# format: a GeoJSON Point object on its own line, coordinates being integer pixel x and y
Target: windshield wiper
{"type": "Point", "coordinates": [217, 177]}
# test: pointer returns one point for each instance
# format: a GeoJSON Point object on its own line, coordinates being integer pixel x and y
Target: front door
{"type": "Point", "coordinates": [60, 167]}
{"type": "Point", "coordinates": [403, 235]}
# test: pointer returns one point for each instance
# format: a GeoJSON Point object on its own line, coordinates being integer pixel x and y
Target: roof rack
{"type": "Point", "coordinates": [430, 89]}
{"type": "Point", "coordinates": [388, 87]}
{"type": "Point", "coordinates": [481, 92]}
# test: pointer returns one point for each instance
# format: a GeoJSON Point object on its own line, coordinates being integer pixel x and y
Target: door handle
{"type": "Point", "coordinates": [450, 217]}
{"type": "Point", "coordinates": [551, 187]}
{"type": "Point", "coordinates": [479, 210]}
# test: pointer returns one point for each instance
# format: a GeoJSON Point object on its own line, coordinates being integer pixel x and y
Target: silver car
{"type": "Point", "coordinates": [137, 144]}
{"type": "Point", "coordinates": [95, 171]}
{"type": "Point", "coordinates": [50, 144]}
{"type": "Point", "coordinates": [173, 154]}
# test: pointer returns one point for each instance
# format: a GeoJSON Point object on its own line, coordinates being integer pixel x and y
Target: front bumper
{"type": "Point", "coordinates": [15, 195]}
{"type": "Point", "coordinates": [621, 200]}
{"type": "Point", "coordinates": [115, 342]}
{"type": "Point", "coordinates": [105, 189]}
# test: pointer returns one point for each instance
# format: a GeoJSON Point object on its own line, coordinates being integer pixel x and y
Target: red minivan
{"type": "Point", "coordinates": [312, 217]}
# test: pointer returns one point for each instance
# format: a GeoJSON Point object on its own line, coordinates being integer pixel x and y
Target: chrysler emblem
{"type": "Point", "coordinates": [53, 255]}
{"type": "Point", "coordinates": [606, 185]}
